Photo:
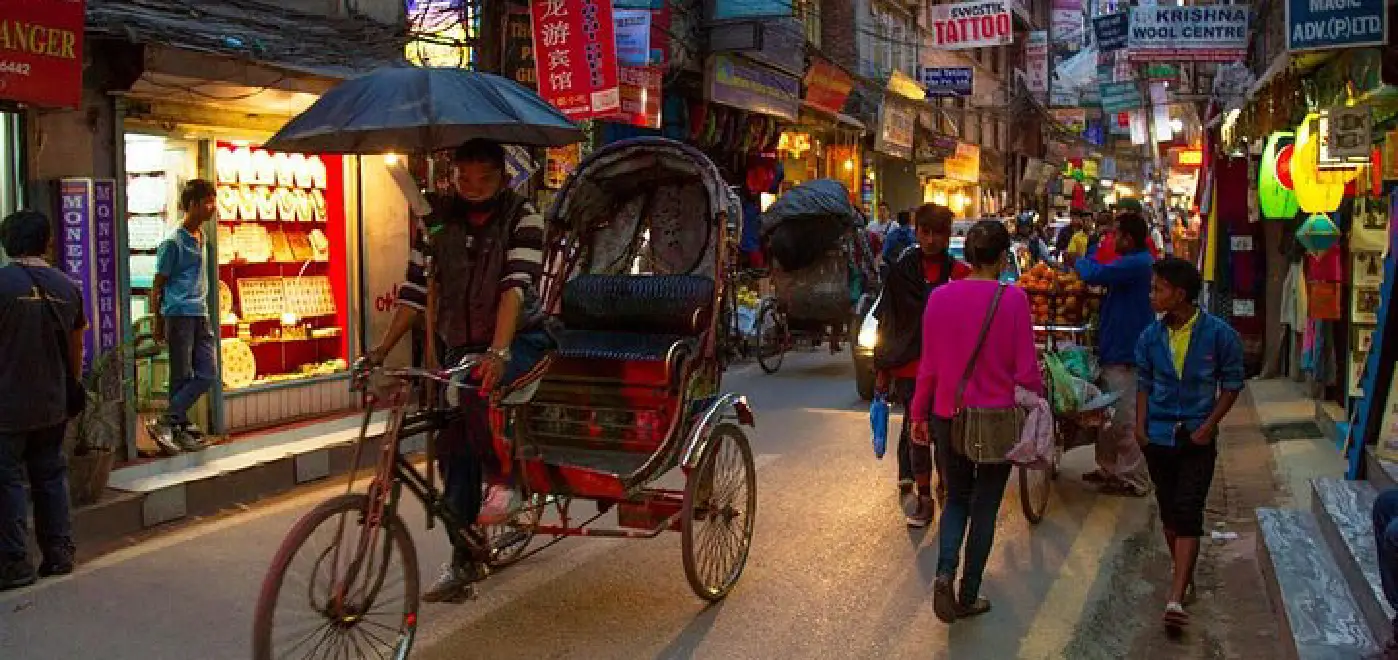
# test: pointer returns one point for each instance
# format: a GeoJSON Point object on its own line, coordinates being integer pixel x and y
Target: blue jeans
{"type": "Point", "coordinates": [467, 454]}
{"type": "Point", "coordinates": [39, 454]}
{"type": "Point", "coordinates": [193, 362]}
{"type": "Point", "coordinates": [974, 491]}
{"type": "Point", "coordinates": [1386, 538]}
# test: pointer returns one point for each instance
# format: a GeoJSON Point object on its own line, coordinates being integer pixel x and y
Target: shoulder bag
{"type": "Point", "coordinates": [76, 393]}
{"type": "Point", "coordinates": [984, 435]}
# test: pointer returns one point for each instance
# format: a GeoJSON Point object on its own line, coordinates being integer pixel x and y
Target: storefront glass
{"type": "Point", "coordinates": [11, 164]}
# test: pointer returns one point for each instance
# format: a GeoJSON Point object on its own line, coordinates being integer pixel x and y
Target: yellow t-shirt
{"type": "Point", "coordinates": [1078, 244]}
{"type": "Point", "coordinates": [1179, 342]}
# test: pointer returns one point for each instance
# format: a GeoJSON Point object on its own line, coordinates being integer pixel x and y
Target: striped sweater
{"type": "Point", "coordinates": [523, 259]}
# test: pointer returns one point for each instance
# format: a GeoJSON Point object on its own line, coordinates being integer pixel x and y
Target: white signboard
{"type": "Point", "coordinates": [970, 25]}
{"type": "Point", "coordinates": [1346, 135]}
{"type": "Point", "coordinates": [1036, 59]}
{"type": "Point", "coordinates": [1212, 33]}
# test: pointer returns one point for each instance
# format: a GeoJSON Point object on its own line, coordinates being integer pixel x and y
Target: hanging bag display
{"type": "Point", "coordinates": [1326, 302]}
{"type": "Point", "coordinates": [984, 435]}
{"type": "Point", "coordinates": [1369, 229]}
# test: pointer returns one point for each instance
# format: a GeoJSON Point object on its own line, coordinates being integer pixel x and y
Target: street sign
{"type": "Point", "coordinates": [1327, 24]}
{"type": "Point", "coordinates": [947, 82]}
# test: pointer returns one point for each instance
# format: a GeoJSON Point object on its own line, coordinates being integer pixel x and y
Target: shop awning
{"type": "Point", "coordinates": [817, 112]}
{"type": "Point", "coordinates": [292, 41]}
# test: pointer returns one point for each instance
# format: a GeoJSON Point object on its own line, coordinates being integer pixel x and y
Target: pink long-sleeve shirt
{"type": "Point", "coordinates": [951, 323]}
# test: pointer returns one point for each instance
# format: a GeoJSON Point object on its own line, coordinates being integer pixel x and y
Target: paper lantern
{"type": "Point", "coordinates": [1313, 194]}
{"type": "Point", "coordinates": [1284, 164]}
{"type": "Point", "coordinates": [1275, 199]}
{"type": "Point", "coordinates": [1318, 233]}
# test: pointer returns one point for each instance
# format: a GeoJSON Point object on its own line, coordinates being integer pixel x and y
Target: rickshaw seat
{"type": "Point", "coordinates": [601, 345]}
{"type": "Point", "coordinates": [645, 318]}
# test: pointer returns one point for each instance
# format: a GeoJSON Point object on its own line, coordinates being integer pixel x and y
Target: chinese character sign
{"type": "Point", "coordinates": [575, 56]}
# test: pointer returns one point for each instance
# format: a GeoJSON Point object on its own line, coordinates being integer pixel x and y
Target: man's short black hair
{"type": "Point", "coordinates": [934, 219]}
{"type": "Point", "coordinates": [480, 150]}
{"type": "Point", "coordinates": [1132, 224]}
{"type": "Point", "coordinates": [195, 191]}
{"type": "Point", "coordinates": [905, 217]}
{"type": "Point", "coordinates": [26, 234]}
{"type": "Point", "coordinates": [1180, 274]}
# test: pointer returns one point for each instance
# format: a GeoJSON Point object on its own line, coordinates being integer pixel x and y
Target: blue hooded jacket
{"type": "Point", "coordinates": [1126, 309]}
{"type": "Point", "coordinates": [1213, 363]}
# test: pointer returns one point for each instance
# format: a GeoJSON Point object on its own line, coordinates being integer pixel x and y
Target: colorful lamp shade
{"type": "Point", "coordinates": [1318, 233]}
{"type": "Point", "coordinates": [1275, 198]}
{"type": "Point", "coordinates": [1313, 194]}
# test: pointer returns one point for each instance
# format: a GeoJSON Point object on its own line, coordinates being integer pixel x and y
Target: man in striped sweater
{"type": "Point", "coordinates": [488, 243]}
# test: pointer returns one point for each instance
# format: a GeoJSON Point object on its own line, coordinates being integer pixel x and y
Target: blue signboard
{"type": "Point", "coordinates": [731, 9]}
{"type": "Point", "coordinates": [947, 82]}
{"type": "Point", "coordinates": [1326, 24]}
{"type": "Point", "coordinates": [1110, 31]}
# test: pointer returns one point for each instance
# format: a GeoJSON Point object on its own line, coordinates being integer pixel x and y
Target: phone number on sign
{"type": "Point", "coordinates": [16, 68]}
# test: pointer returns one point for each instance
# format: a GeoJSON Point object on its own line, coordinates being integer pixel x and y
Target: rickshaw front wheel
{"type": "Point", "coordinates": [720, 502]}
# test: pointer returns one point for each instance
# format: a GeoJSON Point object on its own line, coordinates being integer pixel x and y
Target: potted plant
{"type": "Point", "coordinates": [93, 436]}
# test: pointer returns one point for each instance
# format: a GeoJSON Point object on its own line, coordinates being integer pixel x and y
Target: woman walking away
{"type": "Point", "coordinates": [977, 346]}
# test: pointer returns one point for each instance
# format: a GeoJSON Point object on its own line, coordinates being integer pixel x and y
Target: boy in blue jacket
{"type": "Point", "coordinates": [1190, 365]}
{"type": "Point", "coordinates": [1126, 312]}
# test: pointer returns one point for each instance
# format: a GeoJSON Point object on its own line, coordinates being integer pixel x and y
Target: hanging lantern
{"type": "Point", "coordinates": [1318, 233]}
{"type": "Point", "coordinates": [1313, 194]}
{"type": "Point", "coordinates": [1284, 165]}
{"type": "Point", "coordinates": [1274, 196]}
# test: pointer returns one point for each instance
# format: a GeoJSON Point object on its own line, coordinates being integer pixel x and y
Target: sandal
{"type": "Point", "coordinates": [1097, 477]}
{"type": "Point", "coordinates": [943, 600]}
{"type": "Point", "coordinates": [1175, 617]}
{"type": "Point", "coordinates": [980, 606]}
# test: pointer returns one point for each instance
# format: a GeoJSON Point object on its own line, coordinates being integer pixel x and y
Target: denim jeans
{"type": "Point", "coordinates": [39, 454]}
{"type": "Point", "coordinates": [913, 459]}
{"type": "Point", "coordinates": [466, 460]}
{"type": "Point", "coordinates": [1386, 538]}
{"type": "Point", "coordinates": [974, 491]}
{"type": "Point", "coordinates": [193, 362]}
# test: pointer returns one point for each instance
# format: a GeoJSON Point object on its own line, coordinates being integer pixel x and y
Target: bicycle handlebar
{"type": "Point", "coordinates": [363, 369]}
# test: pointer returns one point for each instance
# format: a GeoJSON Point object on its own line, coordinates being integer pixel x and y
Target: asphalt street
{"type": "Point", "coordinates": [833, 572]}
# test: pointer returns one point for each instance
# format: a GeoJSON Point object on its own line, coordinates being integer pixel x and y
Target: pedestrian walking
{"type": "Point", "coordinates": [898, 237]}
{"type": "Point", "coordinates": [179, 298]}
{"type": "Point", "coordinates": [1126, 311]}
{"type": "Point", "coordinates": [41, 348]}
{"type": "Point", "coordinates": [913, 276]}
{"type": "Point", "coordinates": [1190, 365]}
{"type": "Point", "coordinates": [977, 346]}
{"type": "Point", "coordinates": [1385, 516]}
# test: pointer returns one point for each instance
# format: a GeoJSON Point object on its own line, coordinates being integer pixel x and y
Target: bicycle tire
{"type": "Point", "coordinates": [348, 504]}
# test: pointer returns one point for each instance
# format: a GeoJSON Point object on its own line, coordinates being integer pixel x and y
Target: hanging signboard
{"type": "Point", "coordinates": [827, 86]}
{"type": "Point", "coordinates": [1118, 96]}
{"type": "Point", "coordinates": [724, 10]}
{"type": "Point", "coordinates": [897, 123]}
{"type": "Point", "coordinates": [970, 25]}
{"type": "Point", "coordinates": [1111, 31]}
{"type": "Point", "coordinates": [965, 165]}
{"type": "Point", "coordinates": [632, 36]}
{"type": "Point", "coordinates": [41, 52]}
{"type": "Point", "coordinates": [1073, 119]}
{"type": "Point", "coordinates": [1345, 137]}
{"type": "Point", "coordinates": [947, 81]}
{"type": "Point", "coordinates": [1036, 58]}
{"type": "Point", "coordinates": [1327, 24]}
{"type": "Point", "coordinates": [87, 254]}
{"type": "Point", "coordinates": [575, 56]}
{"type": "Point", "coordinates": [641, 96]}
{"type": "Point", "coordinates": [1212, 33]}
{"type": "Point", "coordinates": [518, 52]}
{"type": "Point", "coordinates": [733, 81]}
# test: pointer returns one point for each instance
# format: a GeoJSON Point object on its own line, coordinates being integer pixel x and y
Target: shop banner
{"type": "Point", "coordinates": [105, 271]}
{"type": "Point", "coordinates": [948, 81]}
{"type": "Point", "coordinates": [575, 56]}
{"type": "Point", "coordinates": [970, 25]}
{"type": "Point", "coordinates": [827, 86]}
{"type": "Point", "coordinates": [518, 52]}
{"type": "Point", "coordinates": [1074, 120]}
{"type": "Point", "coordinates": [734, 81]}
{"type": "Point", "coordinates": [632, 36]}
{"type": "Point", "coordinates": [1118, 96]}
{"type": "Point", "coordinates": [1326, 24]}
{"type": "Point", "coordinates": [932, 146]}
{"type": "Point", "coordinates": [1214, 33]}
{"type": "Point", "coordinates": [732, 9]}
{"type": "Point", "coordinates": [897, 125]}
{"type": "Point", "coordinates": [41, 52]}
{"type": "Point", "coordinates": [1111, 31]}
{"type": "Point", "coordinates": [965, 165]}
{"type": "Point", "coordinates": [641, 96]}
{"type": "Point", "coordinates": [1036, 58]}
{"type": "Point", "coordinates": [87, 253]}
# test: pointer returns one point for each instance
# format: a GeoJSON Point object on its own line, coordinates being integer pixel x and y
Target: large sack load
{"type": "Point", "coordinates": [819, 292]}
{"type": "Point", "coordinates": [807, 221]}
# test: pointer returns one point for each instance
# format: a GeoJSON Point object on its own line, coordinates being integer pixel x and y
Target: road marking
{"type": "Point", "coordinates": [1063, 605]}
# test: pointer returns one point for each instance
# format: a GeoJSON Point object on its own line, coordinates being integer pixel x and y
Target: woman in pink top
{"type": "Point", "coordinates": [951, 325]}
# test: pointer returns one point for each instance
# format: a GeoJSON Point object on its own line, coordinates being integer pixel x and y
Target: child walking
{"type": "Point", "coordinates": [1190, 370]}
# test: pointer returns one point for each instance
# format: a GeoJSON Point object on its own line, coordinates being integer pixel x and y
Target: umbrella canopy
{"type": "Point", "coordinates": [416, 109]}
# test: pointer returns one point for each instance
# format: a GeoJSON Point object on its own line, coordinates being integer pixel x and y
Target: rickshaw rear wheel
{"type": "Point", "coordinates": [720, 504]}
{"type": "Point", "coordinates": [771, 338]}
{"type": "Point", "coordinates": [1036, 485]}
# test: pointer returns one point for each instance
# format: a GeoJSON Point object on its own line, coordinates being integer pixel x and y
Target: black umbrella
{"type": "Point", "coordinates": [415, 110]}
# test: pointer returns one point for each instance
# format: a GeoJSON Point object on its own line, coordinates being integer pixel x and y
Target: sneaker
{"type": "Point", "coordinates": [16, 573]}
{"type": "Point", "coordinates": [456, 584]}
{"type": "Point", "coordinates": [499, 506]}
{"type": "Point", "coordinates": [163, 433]}
{"type": "Point", "coordinates": [922, 513]}
{"type": "Point", "coordinates": [58, 560]}
{"type": "Point", "coordinates": [192, 430]}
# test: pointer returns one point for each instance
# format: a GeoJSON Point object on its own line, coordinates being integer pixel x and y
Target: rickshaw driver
{"type": "Point", "coordinates": [488, 245]}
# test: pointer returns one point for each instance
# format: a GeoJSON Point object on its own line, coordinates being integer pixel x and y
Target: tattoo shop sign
{"type": "Point", "coordinates": [970, 25]}
{"type": "Point", "coordinates": [575, 56]}
{"type": "Point", "coordinates": [1212, 33]}
{"type": "Point", "coordinates": [1326, 24]}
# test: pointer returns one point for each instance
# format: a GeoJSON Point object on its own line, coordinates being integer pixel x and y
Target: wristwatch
{"type": "Point", "coordinates": [501, 354]}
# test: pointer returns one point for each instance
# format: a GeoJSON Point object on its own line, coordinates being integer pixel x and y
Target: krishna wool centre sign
{"type": "Point", "coordinates": [1214, 33]}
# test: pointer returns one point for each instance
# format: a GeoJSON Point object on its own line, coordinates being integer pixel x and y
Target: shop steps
{"type": "Point", "coordinates": [1381, 473]}
{"type": "Point", "coordinates": [1344, 510]}
{"type": "Point", "coordinates": [1308, 590]}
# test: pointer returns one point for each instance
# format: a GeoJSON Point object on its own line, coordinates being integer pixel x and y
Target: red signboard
{"type": "Point", "coordinates": [41, 52]}
{"type": "Point", "coordinates": [827, 86]}
{"type": "Point", "coordinates": [575, 56]}
{"type": "Point", "coordinates": [640, 96]}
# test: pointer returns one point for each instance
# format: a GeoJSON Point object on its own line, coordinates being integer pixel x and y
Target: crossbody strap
{"type": "Point", "coordinates": [57, 319]}
{"type": "Point", "coordinates": [980, 342]}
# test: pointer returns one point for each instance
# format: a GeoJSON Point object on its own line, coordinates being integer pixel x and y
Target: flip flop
{"type": "Point", "coordinates": [1175, 617]}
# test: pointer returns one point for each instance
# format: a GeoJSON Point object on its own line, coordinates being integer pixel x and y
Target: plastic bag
{"type": "Point", "coordinates": [1062, 386]}
{"type": "Point", "coordinates": [1080, 362]}
{"type": "Point", "coordinates": [878, 423]}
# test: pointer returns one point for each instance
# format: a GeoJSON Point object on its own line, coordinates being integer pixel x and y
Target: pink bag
{"type": "Point", "coordinates": [1035, 447]}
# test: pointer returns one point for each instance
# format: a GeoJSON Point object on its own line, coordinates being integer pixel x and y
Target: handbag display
{"type": "Point", "coordinates": [76, 393]}
{"type": "Point", "coordinates": [984, 435]}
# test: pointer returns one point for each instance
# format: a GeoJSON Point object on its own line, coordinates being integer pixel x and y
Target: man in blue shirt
{"type": "Point", "coordinates": [1125, 313]}
{"type": "Point", "coordinates": [898, 237]}
{"type": "Point", "coordinates": [1191, 372]}
{"type": "Point", "coordinates": [179, 297]}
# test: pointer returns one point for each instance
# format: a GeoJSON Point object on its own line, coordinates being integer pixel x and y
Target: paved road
{"type": "Point", "coordinates": [833, 573]}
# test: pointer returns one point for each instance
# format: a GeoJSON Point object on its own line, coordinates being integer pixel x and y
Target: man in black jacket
{"type": "Point", "coordinates": [917, 270]}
